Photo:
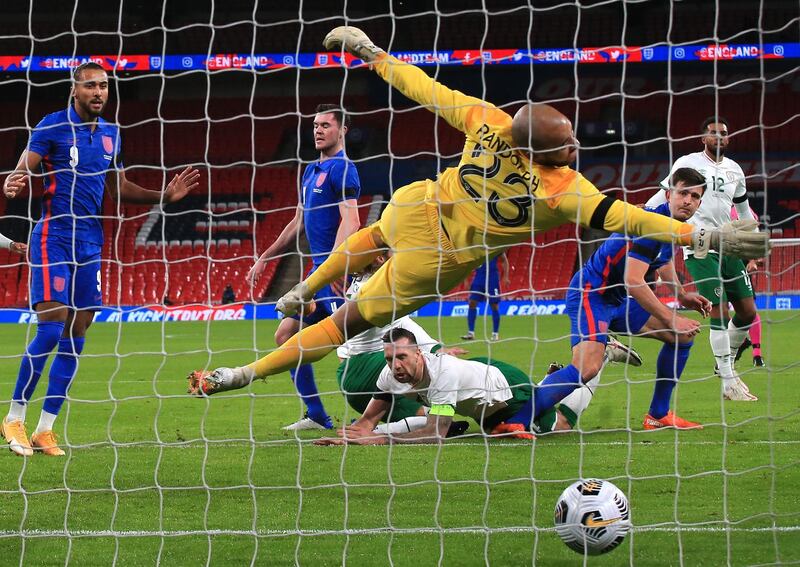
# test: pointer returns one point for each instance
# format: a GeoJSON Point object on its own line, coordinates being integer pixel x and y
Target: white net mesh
{"type": "Point", "coordinates": [152, 475]}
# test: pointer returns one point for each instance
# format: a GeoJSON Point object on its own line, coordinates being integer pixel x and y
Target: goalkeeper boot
{"type": "Point", "coordinates": [307, 424]}
{"type": "Point", "coordinates": [758, 362]}
{"type": "Point", "coordinates": [735, 390]}
{"type": "Point", "coordinates": [746, 344]}
{"type": "Point", "coordinates": [616, 351]}
{"type": "Point", "coordinates": [47, 443]}
{"type": "Point", "coordinates": [205, 383]}
{"type": "Point", "coordinates": [512, 431]}
{"type": "Point", "coordinates": [14, 432]}
{"type": "Point", "coordinates": [669, 420]}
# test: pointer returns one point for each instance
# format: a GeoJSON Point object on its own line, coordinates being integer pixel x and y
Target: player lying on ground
{"type": "Point", "coordinates": [512, 172]}
{"type": "Point", "coordinates": [491, 392]}
{"type": "Point", "coordinates": [80, 156]}
{"type": "Point", "coordinates": [610, 293]}
{"type": "Point", "coordinates": [361, 362]}
{"type": "Point", "coordinates": [719, 277]}
{"type": "Point", "coordinates": [488, 392]}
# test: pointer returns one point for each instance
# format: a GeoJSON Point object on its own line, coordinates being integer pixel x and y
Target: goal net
{"type": "Point", "coordinates": [151, 474]}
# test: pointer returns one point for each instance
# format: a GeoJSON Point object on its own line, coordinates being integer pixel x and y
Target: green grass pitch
{"type": "Point", "coordinates": [153, 475]}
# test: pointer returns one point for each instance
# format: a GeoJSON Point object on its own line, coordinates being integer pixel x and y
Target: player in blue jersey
{"type": "Point", "coordinates": [610, 293]}
{"type": "Point", "coordinates": [485, 288]}
{"type": "Point", "coordinates": [80, 157]}
{"type": "Point", "coordinates": [328, 211]}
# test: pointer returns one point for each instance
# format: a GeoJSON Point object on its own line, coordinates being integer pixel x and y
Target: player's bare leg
{"type": "Point", "coordinates": [587, 357]}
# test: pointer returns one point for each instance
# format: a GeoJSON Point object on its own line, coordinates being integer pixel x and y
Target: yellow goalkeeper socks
{"type": "Point", "coordinates": [357, 252]}
{"type": "Point", "coordinates": [311, 344]}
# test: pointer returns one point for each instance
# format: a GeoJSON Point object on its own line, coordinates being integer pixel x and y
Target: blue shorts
{"type": "Point", "coordinates": [591, 317]}
{"type": "Point", "coordinates": [326, 302]}
{"type": "Point", "coordinates": [485, 290]}
{"type": "Point", "coordinates": [65, 271]}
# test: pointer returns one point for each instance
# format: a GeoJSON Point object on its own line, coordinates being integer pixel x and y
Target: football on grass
{"type": "Point", "coordinates": [592, 516]}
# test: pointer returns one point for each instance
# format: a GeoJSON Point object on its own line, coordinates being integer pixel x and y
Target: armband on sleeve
{"type": "Point", "coordinates": [444, 410]}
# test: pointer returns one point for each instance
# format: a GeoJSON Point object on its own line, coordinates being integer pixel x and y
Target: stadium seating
{"type": "Point", "coordinates": [241, 208]}
{"type": "Point", "coordinates": [201, 244]}
{"type": "Point", "coordinates": [541, 270]}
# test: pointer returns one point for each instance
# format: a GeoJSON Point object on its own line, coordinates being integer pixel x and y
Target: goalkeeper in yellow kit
{"type": "Point", "coordinates": [513, 179]}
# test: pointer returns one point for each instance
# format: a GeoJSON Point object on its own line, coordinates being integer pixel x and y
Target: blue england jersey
{"type": "Point", "coordinates": [605, 269]}
{"type": "Point", "coordinates": [75, 161]}
{"type": "Point", "coordinates": [326, 184]}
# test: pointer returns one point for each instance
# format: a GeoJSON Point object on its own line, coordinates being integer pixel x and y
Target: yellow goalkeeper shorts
{"type": "Point", "coordinates": [422, 266]}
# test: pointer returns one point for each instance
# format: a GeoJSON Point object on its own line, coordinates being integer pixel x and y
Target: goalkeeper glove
{"type": "Point", "coordinates": [297, 297]}
{"type": "Point", "coordinates": [737, 238]}
{"type": "Point", "coordinates": [353, 41]}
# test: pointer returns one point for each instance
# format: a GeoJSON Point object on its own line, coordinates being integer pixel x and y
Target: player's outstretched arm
{"type": "Point", "coordinates": [287, 237]}
{"type": "Point", "coordinates": [463, 112]}
{"type": "Point", "coordinates": [126, 191]}
{"type": "Point", "coordinates": [585, 205]}
{"type": "Point", "coordinates": [505, 270]}
{"type": "Point", "coordinates": [361, 431]}
{"type": "Point", "coordinates": [638, 289]}
{"type": "Point", "coordinates": [687, 299]}
{"type": "Point", "coordinates": [434, 431]}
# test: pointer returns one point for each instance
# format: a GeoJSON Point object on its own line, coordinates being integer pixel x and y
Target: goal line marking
{"type": "Point", "coordinates": [368, 531]}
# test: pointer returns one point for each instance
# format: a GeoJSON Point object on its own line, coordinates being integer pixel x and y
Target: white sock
{"type": "Point", "coordinates": [46, 421]}
{"type": "Point", "coordinates": [405, 425]}
{"type": "Point", "coordinates": [580, 398]}
{"type": "Point", "coordinates": [16, 411]}
{"type": "Point", "coordinates": [721, 347]}
{"type": "Point", "coordinates": [736, 336]}
{"type": "Point", "coordinates": [241, 377]}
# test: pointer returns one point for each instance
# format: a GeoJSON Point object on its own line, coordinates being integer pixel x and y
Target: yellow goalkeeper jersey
{"type": "Point", "coordinates": [496, 196]}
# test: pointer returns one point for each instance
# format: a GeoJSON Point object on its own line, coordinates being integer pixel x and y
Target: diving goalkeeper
{"type": "Point", "coordinates": [513, 179]}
